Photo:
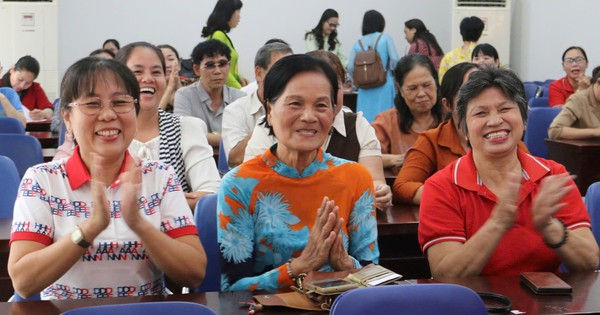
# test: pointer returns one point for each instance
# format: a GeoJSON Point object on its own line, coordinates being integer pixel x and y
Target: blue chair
{"type": "Point", "coordinates": [424, 299]}
{"type": "Point", "coordinates": [149, 308]}
{"type": "Point", "coordinates": [206, 223]}
{"type": "Point", "coordinates": [545, 89]}
{"type": "Point", "coordinates": [11, 125]}
{"type": "Point", "coordinates": [592, 202]}
{"type": "Point", "coordinates": [222, 164]}
{"type": "Point", "coordinates": [531, 90]}
{"type": "Point", "coordinates": [538, 121]}
{"type": "Point", "coordinates": [10, 186]}
{"type": "Point", "coordinates": [539, 102]}
{"type": "Point", "coordinates": [24, 150]}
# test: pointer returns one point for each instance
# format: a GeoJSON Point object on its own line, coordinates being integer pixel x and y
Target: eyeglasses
{"type": "Point", "coordinates": [212, 66]}
{"type": "Point", "coordinates": [571, 61]}
{"type": "Point", "coordinates": [121, 104]}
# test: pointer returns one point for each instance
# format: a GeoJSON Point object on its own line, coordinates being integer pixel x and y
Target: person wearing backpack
{"type": "Point", "coordinates": [373, 100]}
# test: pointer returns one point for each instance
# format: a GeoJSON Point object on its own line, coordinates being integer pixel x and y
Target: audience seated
{"type": "Point", "coordinates": [378, 99]}
{"type": "Point", "coordinates": [173, 79]}
{"type": "Point", "coordinates": [207, 98]}
{"type": "Point", "coordinates": [241, 116]}
{"type": "Point", "coordinates": [485, 55]}
{"type": "Point", "coordinates": [112, 45]}
{"type": "Point", "coordinates": [21, 78]}
{"type": "Point", "coordinates": [351, 137]}
{"type": "Point", "coordinates": [422, 41]}
{"type": "Point", "coordinates": [324, 36]}
{"type": "Point", "coordinates": [117, 205]}
{"type": "Point", "coordinates": [471, 29]}
{"type": "Point", "coordinates": [417, 108]}
{"type": "Point", "coordinates": [270, 230]}
{"type": "Point", "coordinates": [498, 210]}
{"type": "Point", "coordinates": [580, 116]}
{"type": "Point", "coordinates": [224, 17]}
{"type": "Point", "coordinates": [10, 104]}
{"type": "Point", "coordinates": [574, 62]}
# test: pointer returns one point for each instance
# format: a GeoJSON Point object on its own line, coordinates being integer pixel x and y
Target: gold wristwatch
{"type": "Point", "coordinates": [78, 238]}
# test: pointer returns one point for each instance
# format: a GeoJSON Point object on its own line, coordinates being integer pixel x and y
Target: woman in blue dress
{"type": "Point", "coordinates": [375, 100]}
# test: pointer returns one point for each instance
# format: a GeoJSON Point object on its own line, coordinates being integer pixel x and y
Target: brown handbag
{"type": "Point", "coordinates": [369, 71]}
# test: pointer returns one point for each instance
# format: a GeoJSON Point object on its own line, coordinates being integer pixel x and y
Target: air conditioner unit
{"type": "Point", "coordinates": [31, 28]}
{"type": "Point", "coordinates": [496, 14]}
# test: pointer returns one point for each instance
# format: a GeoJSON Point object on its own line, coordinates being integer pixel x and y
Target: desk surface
{"type": "Point", "coordinates": [580, 157]}
{"type": "Point", "coordinates": [584, 298]}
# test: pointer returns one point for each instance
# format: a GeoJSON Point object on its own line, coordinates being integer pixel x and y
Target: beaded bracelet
{"type": "Point", "coordinates": [288, 268]}
{"type": "Point", "coordinates": [564, 238]}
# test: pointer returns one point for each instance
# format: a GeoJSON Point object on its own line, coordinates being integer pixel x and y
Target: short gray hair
{"type": "Point", "coordinates": [263, 55]}
{"type": "Point", "coordinates": [490, 77]}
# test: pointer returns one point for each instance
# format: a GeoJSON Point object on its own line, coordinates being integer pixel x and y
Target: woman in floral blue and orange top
{"type": "Point", "coordinates": [295, 209]}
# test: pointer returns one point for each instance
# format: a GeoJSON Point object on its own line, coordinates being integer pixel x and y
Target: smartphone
{"type": "Point", "coordinates": [330, 286]}
{"type": "Point", "coordinates": [545, 283]}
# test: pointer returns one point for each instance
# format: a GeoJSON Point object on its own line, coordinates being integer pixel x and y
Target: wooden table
{"type": "Point", "coordinates": [580, 157]}
{"type": "Point", "coordinates": [584, 298]}
{"type": "Point", "coordinates": [350, 98]}
{"type": "Point", "coordinates": [38, 125]}
{"type": "Point", "coordinates": [390, 177]}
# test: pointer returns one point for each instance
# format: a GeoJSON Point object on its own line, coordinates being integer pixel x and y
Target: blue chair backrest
{"type": "Point", "coordinates": [24, 150]}
{"type": "Point", "coordinates": [206, 223]}
{"type": "Point", "coordinates": [423, 299]}
{"type": "Point", "coordinates": [222, 163]}
{"type": "Point", "coordinates": [10, 186]}
{"type": "Point", "coordinates": [148, 308]}
{"type": "Point", "coordinates": [531, 90]}
{"type": "Point", "coordinates": [545, 89]}
{"type": "Point", "coordinates": [538, 102]}
{"type": "Point", "coordinates": [11, 125]}
{"type": "Point", "coordinates": [538, 121]}
{"type": "Point", "coordinates": [592, 202]}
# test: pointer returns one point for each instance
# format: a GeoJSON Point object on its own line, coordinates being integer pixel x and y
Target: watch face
{"type": "Point", "coordinates": [77, 238]}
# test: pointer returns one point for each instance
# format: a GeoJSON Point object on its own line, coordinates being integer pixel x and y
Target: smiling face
{"type": "Point", "coordinates": [409, 34]}
{"type": "Point", "coordinates": [147, 68]}
{"type": "Point", "coordinates": [574, 64]}
{"type": "Point", "coordinates": [107, 133]}
{"type": "Point", "coordinates": [302, 115]}
{"type": "Point", "coordinates": [485, 60]}
{"type": "Point", "coordinates": [419, 90]}
{"type": "Point", "coordinates": [330, 25]}
{"type": "Point", "coordinates": [171, 60]}
{"type": "Point", "coordinates": [494, 123]}
{"type": "Point", "coordinates": [21, 79]}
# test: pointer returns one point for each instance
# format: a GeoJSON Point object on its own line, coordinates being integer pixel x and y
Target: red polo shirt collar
{"type": "Point", "coordinates": [465, 174]}
{"type": "Point", "coordinates": [78, 173]}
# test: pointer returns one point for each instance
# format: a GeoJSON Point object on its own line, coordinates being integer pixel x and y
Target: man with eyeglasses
{"type": "Point", "coordinates": [574, 62]}
{"type": "Point", "coordinates": [207, 98]}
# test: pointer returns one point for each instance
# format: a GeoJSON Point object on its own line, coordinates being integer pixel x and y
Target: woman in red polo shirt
{"type": "Point", "coordinates": [574, 63]}
{"type": "Point", "coordinates": [498, 210]}
{"type": "Point", "coordinates": [20, 78]}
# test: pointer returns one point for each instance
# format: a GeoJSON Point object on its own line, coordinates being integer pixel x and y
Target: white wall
{"type": "Point", "coordinates": [541, 29]}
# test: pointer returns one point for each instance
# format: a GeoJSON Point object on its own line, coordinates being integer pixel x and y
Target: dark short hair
{"type": "Point", "coordinates": [263, 55]}
{"type": "Point", "coordinates": [210, 48]}
{"type": "Point", "coordinates": [28, 63]}
{"type": "Point", "coordinates": [317, 32]}
{"type": "Point", "coordinates": [486, 50]}
{"type": "Point", "coordinates": [171, 48]}
{"type": "Point", "coordinates": [276, 40]}
{"type": "Point", "coordinates": [332, 60]}
{"type": "Point", "coordinates": [220, 16]}
{"type": "Point", "coordinates": [113, 41]}
{"type": "Point", "coordinates": [403, 68]}
{"type": "Point", "coordinates": [486, 78]}
{"type": "Point", "coordinates": [574, 47]}
{"type": "Point", "coordinates": [373, 22]}
{"type": "Point", "coordinates": [102, 51]}
{"type": "Point", "coordinates": [471, 28]}
{"type": "Point", "coordinates": [453, 80]}
{"type": "Point", "coordinates": [288, 67]}
{"type": "Point", "coordinates": [125, 53]}
{"type": "Point", "coordinates": [81, 79]}
{"type": "Point", "coordinates": [595, 74]}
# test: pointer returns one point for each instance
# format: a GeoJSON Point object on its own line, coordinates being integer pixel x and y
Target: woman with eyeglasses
{"type": "Point", "coordinates": [102, 223]}
{"type": "Point", "coordinates": [225, 16]}
{"type": "Point", "coordinates": [324, 36]}
{"type": "Point", "coordinates": [178, 141]}
{"type": "Point", "coordinates": [574, 62]}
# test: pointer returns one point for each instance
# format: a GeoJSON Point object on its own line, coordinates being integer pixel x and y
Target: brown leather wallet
{"type": "Point", "coordinates": [545, 283]}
